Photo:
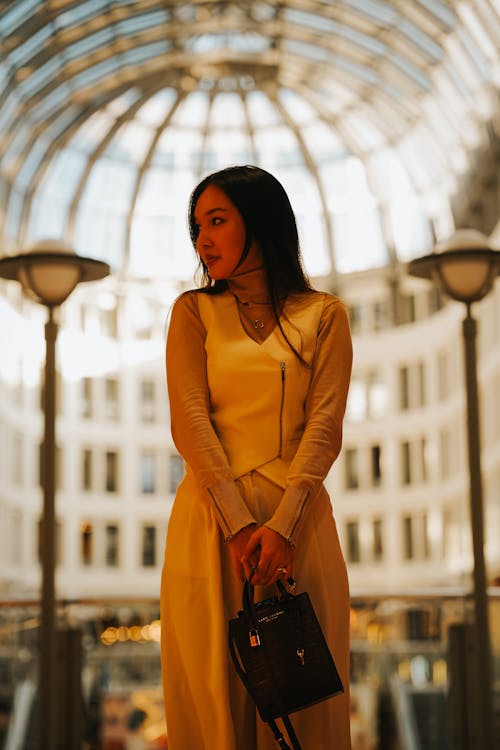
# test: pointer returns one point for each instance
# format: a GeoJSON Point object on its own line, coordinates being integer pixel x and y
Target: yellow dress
{"type": "Point", "coordinates": [259, 431]}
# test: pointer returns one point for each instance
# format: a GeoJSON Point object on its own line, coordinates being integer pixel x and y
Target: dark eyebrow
{"type": "Point", "coordinates": [213, 211]}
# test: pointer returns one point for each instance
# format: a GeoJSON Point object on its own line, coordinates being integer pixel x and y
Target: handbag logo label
{"type": "Point", "coordinates": [271, 617]}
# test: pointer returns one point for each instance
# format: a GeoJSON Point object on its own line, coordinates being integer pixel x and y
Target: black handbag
{"type": "Point", "coordinates": [280, 653]}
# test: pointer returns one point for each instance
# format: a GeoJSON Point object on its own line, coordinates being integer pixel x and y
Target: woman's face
{"type": "Point", "coordinates": [222, 235]}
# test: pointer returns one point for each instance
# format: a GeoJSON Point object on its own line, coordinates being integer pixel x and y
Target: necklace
{"type": "Point", "coordinates": [258, 323]}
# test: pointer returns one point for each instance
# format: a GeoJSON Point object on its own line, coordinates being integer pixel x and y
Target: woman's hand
{"type": "Point", "coordinates": [237, 547]}
{"type": "Point", "coordinates": [274, 555]}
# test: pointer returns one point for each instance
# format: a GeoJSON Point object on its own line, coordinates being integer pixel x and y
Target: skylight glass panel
{"type": "Point", "coordinates": [140, 22]}
{"type": "Point", "coordinates": [416, 76]}
{"type": "Point", "coordinates": [155, 110]}
{"type": "Point", "coordinates": [110, 186]}
{"type": "Point", "coordinates": [475, 53]}
{"type": "Point", "coordinates": [421, 40]}
{"type": "Point", "coordinates": [378, 11]}
{"type": "Point", "coordinates": [440, 10]}
{"type": "Point", "coordinates": [61, 178]}
{"type": "Point", "coordinates": [180, 145]}
{"type": "Point", "coordinates": [229, 144]}
{"type": "Point", "coordinates": [322, 142]}
{"type": "Point", "coordinates": [15, 15]}
{"type": "Point", "coordinates": [52, 102]}
{"type": "Point", "coordinates": [145, 52]}
{"type": "Point", "coordinates": [95, 72]}
{"type": "Point", "coordinates": [31, 163]}
{"type": "Point", "coordinates": [192, 112]}
{"type": "Point", "coordinates": [362, 73]}
{"type": "Point", "coordinates": [227, 112]}
{"type": "Point", "coordinates": [299, 110]}
{"type": "Point", "coordinates": [310, 20]}
{"type": "Point", "coordinates": [94, 130]}
{"type": "Point", "coordinates": [88, 43]}
{"type": "Point", "coordinates": [261, 111]}
{"type": "Point", "coordinates": [131, 143]}
{"type": "Point", "coordinates": [302, 190]}
{"type": "Point", "coordinates": [304, 49]}
{"type": "Point", "coordinates": [40, 78]}
{"type": "Point", "coordinates": [478, 30]}
{"type": "Point", "coordinates": [277, 145]}
{"type": "Point", "coordinates": [21, 54]}
{"type": "Point", "coordinates": [80, 12]}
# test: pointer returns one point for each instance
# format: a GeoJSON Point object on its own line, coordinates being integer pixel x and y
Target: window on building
{"type": "Point", "coordinates": [405, 463]}
{"type": "Point", "coordinates": [111, 398]}
{"type": "Point", "coordinates": [424, 536]}
{"type": "Point", "coordinates": [380, 317]}
{"type": "Point", "coordinates": [108, 321]}
{"type": "Point", "coordinates": [17, 465]}
{"type": "Point", "coordinates": [443, 365]}
{"type": "Point", "coordinates": [87, 469]}
{"type": "Point", "coordinates": [445, 453]}
{"type": "Point", "coordinates": [86, 543]}
{"type": "Point", "coordinates": [377, 395]}
{"type": "Point", "coordinates": [404, 388]}
{"type": "Point", "coordinates": [376, 465]}
{"type": "Point", "coordinates": [422, 445]}
{"type": "Point", "coordinates": [86, 397]}
{"type": "Point", "coordinates": [421, 392]}
{"type": "Point", "coordinates": [352, 538]}
{"type": "Point", "coordinates": [176, 471]}
{"type": "Point", "coordinates": [356, 408]}
{"type": "Point", "coordinates": [148, 546]}
{"type": "Point", "coordinates": [112, 468]}
{"type": "Point", "coordinates": [377, 540]}
{"type": "Point", "coordinates": [147, 400]}
{"type": "Point", "coordinates": [351, 468]}
{"type": "Point", "coordinates": [112, 548]}
{"type": "Point", "coordinates": [355, 318]}
{"type": "Point", "coordinates": [408, 541]}
{"type": "Point", "coordinates": [148, 472]}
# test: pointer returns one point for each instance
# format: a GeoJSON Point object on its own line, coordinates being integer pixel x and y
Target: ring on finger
{"type": "Point", "coordinates": [281, 570]}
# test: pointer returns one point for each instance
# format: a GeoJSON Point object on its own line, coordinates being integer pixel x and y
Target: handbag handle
{"type": "Point", "coordinates": [248, 602]}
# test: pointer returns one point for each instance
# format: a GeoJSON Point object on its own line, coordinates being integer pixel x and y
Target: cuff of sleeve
{"type": "Point", "coordinates": [230, 508]}
{"type": "Point", "coordinates": [289, 514]}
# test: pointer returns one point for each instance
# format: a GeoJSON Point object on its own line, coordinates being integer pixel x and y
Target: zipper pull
{"type": "Point", "coordinates": [282, 368]}
{"type": "Point", "coordinates": [300, 654]}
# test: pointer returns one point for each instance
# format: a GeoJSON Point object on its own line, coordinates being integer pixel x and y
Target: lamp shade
{"type": "Point", "coordinates": [465, 265]}
{"type": "Point", "coordinates": [50, 270]}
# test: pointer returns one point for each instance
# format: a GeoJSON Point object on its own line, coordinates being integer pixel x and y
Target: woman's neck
{"type": "Point", "coordinates": [250, 286]}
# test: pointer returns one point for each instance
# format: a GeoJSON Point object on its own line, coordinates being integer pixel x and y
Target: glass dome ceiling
{"type": "Point", "coordinates": [370, 112]}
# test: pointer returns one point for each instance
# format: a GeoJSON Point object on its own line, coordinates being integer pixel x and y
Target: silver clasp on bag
{"type": "Point", "coordinates": [254, 638]}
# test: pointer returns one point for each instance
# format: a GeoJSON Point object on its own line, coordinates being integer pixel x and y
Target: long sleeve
{"type": "Point", "coordinates": [324, 413]}
{"type": "Point", "coordinates": [191, 426]}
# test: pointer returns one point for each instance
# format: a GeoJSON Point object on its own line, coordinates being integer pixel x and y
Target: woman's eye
{"type": "Point", "coordinates": [217, 220]}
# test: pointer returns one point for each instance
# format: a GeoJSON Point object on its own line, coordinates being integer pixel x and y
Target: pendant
{"type": "Point", "coordinates": [258, 324]}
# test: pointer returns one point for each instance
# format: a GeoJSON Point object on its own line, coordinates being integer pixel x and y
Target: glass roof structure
{"type": "Point", "coordinates": [375, 115]}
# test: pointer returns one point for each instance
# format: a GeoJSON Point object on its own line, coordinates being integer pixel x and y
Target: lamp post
{"type": "Point", "coordinates": [49, 273]}
{"type": "Point", "coordinates": [465, 267]}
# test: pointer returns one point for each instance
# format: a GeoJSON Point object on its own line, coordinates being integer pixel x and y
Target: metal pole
{"type": "Point", "coordinates": [47, 676]}
{"type": "Point", "coordinates": [483, 688]}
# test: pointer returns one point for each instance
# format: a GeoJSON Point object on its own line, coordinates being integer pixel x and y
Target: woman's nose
{"type": "Point", "coordinates": [203, 239]}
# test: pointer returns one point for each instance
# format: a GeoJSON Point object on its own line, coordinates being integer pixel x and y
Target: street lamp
{"type": "Point", "coordinates": [466, 266]}
{"type": "Point", "coordinates": [48, 273]}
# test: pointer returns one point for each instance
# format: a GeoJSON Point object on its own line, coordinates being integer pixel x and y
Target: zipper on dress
{"type": "Point", "coordinates": [282, 368]}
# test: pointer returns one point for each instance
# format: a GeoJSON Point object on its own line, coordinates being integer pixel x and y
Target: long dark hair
{"type": "Point", "coordinates": [269, 221]}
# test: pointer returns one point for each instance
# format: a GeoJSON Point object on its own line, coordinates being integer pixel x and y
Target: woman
{"type": "Point", "coordinates": [258, 369]}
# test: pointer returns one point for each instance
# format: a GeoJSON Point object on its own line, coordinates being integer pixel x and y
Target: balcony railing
{"type": "Point", "coordinates": [410, 658]}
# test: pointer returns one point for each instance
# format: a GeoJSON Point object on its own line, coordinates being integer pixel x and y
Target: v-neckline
{"type": "Point", "coordinates": [244, 330]}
